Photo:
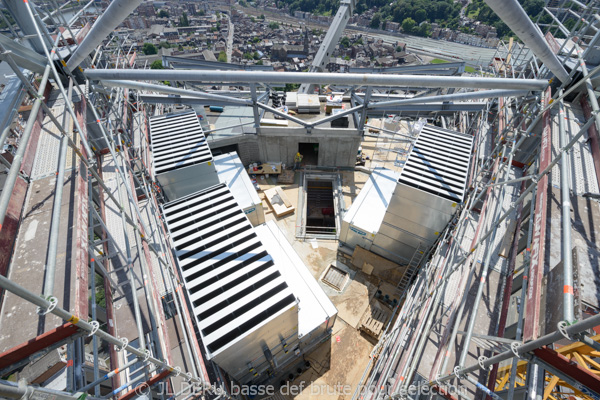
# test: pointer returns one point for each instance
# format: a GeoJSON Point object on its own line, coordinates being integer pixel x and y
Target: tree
{"type": "Point", "coordinates": [262, 16]}
{"type": "Point", "coordinates": [290, 87]}
{"type": "Point", "coordinates": [156, 64]}
{"type": "Point", "coordinates": [163, 14]}
{"type": "Point", "coordinates": [345, 42]}
{"type": "Point", "coordinates": [222, 57]}
{"type": "Point", "coordinates": [183, 21]}
{"type": "Point", "coordinates": [375, 21]}
{"type": "Point", "coordinates": [359, 41]}
{"type": "Point", "coordinates": [273, 25]}
{"type": "Point", "coordinates": [259, 62]}
{"type": "Point", "coordinates": [420, 16]}
{"type": "Point", "coordinates": [256, 56]}
{"type": "Point", "coordinates": [149, 49]}
{"type": "Point", "coordinates": [408, 24]}
{"type": "Point", "coordinates": [423, 30]}
{"type": "Point", "coordinates": [201, 13]}
{"type": "Point", "coordinates": [399, 49]}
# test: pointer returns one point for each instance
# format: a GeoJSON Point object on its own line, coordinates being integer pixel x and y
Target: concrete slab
{"type": "Point", "coordinates": [346, 355]}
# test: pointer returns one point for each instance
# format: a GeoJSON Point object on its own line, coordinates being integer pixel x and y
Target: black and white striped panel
{"type": "Point", "coordinates": [231, 280]}
{"type": "Point", "coordinates": [439, 163]}
{"type": "Point", "coordinates": [177, 142]}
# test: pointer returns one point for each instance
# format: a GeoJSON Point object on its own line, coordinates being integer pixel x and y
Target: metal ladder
{"type": "Point", "coordinates": [411, 270]}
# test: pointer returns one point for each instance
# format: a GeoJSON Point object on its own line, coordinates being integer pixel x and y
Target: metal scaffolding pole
{"type": "Point", "coordinates": [520, 349]}
{"type": "Point", "coordinates": [248, 77]}
{"type": "Point", "coordinates": [57, 79]}
{"type": "Point", "coordinates": [116, 12]}
{"type": "Point", "coordinates": [50, 306]}
{"type": "Point", "coordinates": [567, 259]}
{"type": "Point", "coordinates": [486, 264]}
{"type": "Point", "coordinates": [11, 178]}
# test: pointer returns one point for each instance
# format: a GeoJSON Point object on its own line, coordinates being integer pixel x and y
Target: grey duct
{"type": "Point", "coordinates": [116, 12]}
{"type": "Point", "coordinates": [317, 78]}
{"type": "Point", "coordinates": [511, 12]}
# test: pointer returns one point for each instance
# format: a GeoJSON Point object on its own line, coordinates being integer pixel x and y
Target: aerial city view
{"type": "Point", "coordinates": [300, 199]}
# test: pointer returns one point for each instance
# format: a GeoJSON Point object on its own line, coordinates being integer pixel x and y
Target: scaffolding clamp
{"type": "Point", "coordinates": [95, 327]}
{"type": "Point", "coordinates": [146, 355]}
{"type": "Point", "coordinates": [52, 302]}
{"type": "Point", "coordinates": [481, 361]}
{"type": "Point", "coordinates": [514, 348]}
{"type": "Point", "coordinates": [177, 371]}
{"type": "Point", "coordinates": [457, 373]}
{"type": "Point", "coordinates": [562, 328]}
{"type": "Point", "coordinates": [124, 343]}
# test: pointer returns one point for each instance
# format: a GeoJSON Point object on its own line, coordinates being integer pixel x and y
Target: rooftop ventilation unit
{"type": "Point", "coordinates": [240, 299]}
{"type": "Point", "coordinates": [182, 161]}
{"type": "Point", "coordinates": [394, 214]}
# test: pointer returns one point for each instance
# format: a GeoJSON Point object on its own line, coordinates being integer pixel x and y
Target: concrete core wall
{"type": "Point", "coordinates": [337, 147]}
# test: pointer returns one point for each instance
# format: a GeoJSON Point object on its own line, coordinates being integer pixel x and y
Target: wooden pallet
{"type": "Point", "coordinates": [375, 319]}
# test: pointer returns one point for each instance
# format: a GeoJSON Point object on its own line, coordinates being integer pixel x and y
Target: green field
{"type": "Point", "coordinates": [440, 61]}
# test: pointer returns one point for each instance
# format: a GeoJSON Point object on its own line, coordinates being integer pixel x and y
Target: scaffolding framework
{"type": "Point", "coordinates": [526, 134]}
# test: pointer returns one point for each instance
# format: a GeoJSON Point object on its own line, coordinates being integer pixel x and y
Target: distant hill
{"type": "Point", "coordinates": [445, 13]}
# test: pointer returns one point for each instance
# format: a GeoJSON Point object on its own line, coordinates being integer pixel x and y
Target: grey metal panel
{"type": "Point", "coordinates": [393, 250]}
{"type": "Point", "coordinates": [185, 181]}
{"type": "Point", "coordinates": [420, 197]}
{"type": "Point", "coordinates": [421, 213]}
{"type": "Point", "coordinates": [415, 228]}
{"type": "Point", "coordinates": [402, 235]}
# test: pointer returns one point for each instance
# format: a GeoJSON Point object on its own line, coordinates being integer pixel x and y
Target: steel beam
{"type": "Point", "coordinates": [145, 387]}
{"type": "Point", "coordinates": [171, 90]}
{"type": "Point", "coordinates": [317, 78]}
{"type": "Point", "coordinates": [23, 56]}
{"type": "Point", "coordinates": [573, 370]}
{"type": "Point", "coordinates": [532, 326]}
{"type": "Point", "coordinates": [26, 349]}
{"type": "Point", "coordinates": [116, 12]}
{"type": "Point", "coordinates": [511, 13]}
{"type": "Point", "coordinates": [484, 94]}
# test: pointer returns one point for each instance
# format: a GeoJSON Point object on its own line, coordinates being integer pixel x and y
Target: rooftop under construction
{"type": "Point", "coordinates": [160, 237]}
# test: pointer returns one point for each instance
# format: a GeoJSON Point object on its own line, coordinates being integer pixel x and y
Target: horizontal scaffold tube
{"type": "Point", "coordinates": [317, 78]}
{"type": "Point", "coordinates": [482, 94]}
{"type": "Point", "coordinates": [178, 91]}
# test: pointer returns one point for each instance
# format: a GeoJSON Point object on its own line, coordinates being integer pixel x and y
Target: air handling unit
{"type": "Point", "coordinates": [245, 287]}
{"type": "Point", "coordinates": [182, 161]}
{"type": "Point", "coordinates": [419, 204]}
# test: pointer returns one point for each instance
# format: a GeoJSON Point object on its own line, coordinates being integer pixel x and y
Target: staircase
{"type": "Point", "coordinates": [411, 270]}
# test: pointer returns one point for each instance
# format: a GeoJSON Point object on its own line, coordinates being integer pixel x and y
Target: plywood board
{"type": "Point", "coordinates": [279, 202]}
